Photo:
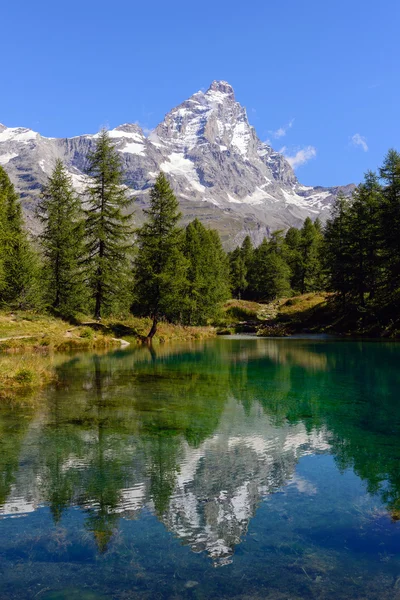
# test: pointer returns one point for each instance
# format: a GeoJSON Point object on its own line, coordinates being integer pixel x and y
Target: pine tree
{"type": "Point", "coordinates": [390, 174]}
{"type": "Point", "coordinates": [240, 261]}
{"type": "Point", "coordinates": [107, 228]}
{"type": "Point", "coordinates": [62, 242]}
{"type": "Point", "coordinates": [310, 265]}
{"type": "Point", "coordinates": [294, 258]}
{"type": "Point", "coordinates": [247, 251]}
{"type": "Point", "coordinates": [19, 276]}
{"type": "Point", "coordinates": [160, 267]}
{"type": "Point", "coordinates": [207, 274]}
{"type": "Point", "coordinates": [238, 273]}
{"type": "Point", "coordinates": [269, 276]}
{"type": "Point", "coordinates": [337, 250]}
{"type": "Point", "coordinates": [364, 238]}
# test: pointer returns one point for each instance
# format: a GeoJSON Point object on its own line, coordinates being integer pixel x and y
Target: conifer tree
{"type": "Point", "coordinates": [207, 274]}
{"type": "Point", "coordinates": [240, 263]}
{"type": "Point", "coordinates": [310, 248]}
{"type": "Point", "coordinates": [364, 238]}
{"type": "Point", "coordinates": [337, 250]}
{"type": "Point", "coordinates": [294, 258]}
{"type": "Point", "coordinates": [19, 276]}
{"type": "Point", "coordinates": [247, 251]}
{"type": "Point", "coordinates": [62, 242]}
{"type": "Point", "coordinates": [107, 228]}
{"type": "Point", "coordinates": [269, 276]}
{"type": "Point", "coordinates": [390, 175]}
{"type": "Point", "coordinates": [238, 273]}
{"type": "Point", "coordinates": [160, 266]}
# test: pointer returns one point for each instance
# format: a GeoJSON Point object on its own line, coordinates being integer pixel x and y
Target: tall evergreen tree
{"type": "Point", "coordinates": [240, 261]}
{"type": "Point", "coordinates": [364, 238]}
{"type": "Point", "coordinates": [107, 228]}
{"type": "Point", "coordinates": [160, 266]}
{"type": "Point", "coordinates": [207, 274]}
{"type": "Point", "coordinates": [337, 250]}
{"type": "Point", "coordinates": [294, 257]}
{"type": "Point", "coordinates": [247, 250]}
{"type": "Point", "coordinates": [19, 277]}
{"type": "Point", "coordinates": [238, 273]}
{"type": "Point", "coordinates": [269, 275]}
{"type": "Point", "coordinates": [62, 242]}
{"type": "Point", "coordinates": [390, 175]}
{"type": "Point", "coordinates": [310, 254]}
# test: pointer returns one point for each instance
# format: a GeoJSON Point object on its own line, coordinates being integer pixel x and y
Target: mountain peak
{"type": "Point", "coordinates": [221, 88]}
{"type": "Point", "coordinates": [129, 128]}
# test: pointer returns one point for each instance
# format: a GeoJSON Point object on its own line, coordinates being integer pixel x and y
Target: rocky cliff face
{"type": "Point", "coordinates": [221, 172]}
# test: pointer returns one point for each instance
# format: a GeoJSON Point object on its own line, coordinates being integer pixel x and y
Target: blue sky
{"type": "Point", "coordinates": [312, 73]}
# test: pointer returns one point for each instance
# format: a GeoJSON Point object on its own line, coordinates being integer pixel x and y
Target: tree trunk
{"type": "Point", "coordinates": [153, 329]}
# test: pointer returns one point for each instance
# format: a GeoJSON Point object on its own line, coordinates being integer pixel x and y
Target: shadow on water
{"type": "Point", "coordinates": [141, 471]}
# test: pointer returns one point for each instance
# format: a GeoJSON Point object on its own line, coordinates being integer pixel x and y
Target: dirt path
{"type": "Point", "coordinates": [19, 337]}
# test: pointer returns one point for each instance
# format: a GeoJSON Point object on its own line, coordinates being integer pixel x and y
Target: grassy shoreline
{"type": "Point", "coordinates": [313, 313]}
{"type": "Point", "coordinates": [317, 312]}
{"type": "Point", "coordinates": [31, 345]}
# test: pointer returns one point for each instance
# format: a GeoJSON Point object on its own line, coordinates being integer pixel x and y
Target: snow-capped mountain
{"type": "Point", "coordinates": [217, 488]}
{"type": "Point", "coordinates": [220, 170]}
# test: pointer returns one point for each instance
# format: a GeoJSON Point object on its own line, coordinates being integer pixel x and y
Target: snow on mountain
{"type": "Point", "coordinates": [218, 485]}
{"type": "Point", "coordinates": [221, 172]}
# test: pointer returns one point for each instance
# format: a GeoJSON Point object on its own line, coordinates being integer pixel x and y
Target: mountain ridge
{"type": "Point", "coordinates": [222, 173]}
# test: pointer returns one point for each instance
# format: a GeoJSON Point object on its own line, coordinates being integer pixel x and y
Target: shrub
{"type": "Point", "coordinates": [87, 333]}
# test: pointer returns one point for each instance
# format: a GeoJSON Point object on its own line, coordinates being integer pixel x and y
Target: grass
{"type": "Point", "coordinates": [31, 344]}
{"type": "Point", "coordinates": [240, 315]}
{"type": "Point", "coordinates": [27, 330]}
{"type": "Point", "coordinates": [22, 374]}
{"type": "Point", "coordinates": [302, 307]}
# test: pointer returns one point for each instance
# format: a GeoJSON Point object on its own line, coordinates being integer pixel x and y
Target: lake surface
{"type": "Point", "coordinates": [231, 468]}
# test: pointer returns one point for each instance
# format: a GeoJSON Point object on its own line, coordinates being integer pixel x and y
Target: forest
{"type": "Point", "coordinates": [90, 258]}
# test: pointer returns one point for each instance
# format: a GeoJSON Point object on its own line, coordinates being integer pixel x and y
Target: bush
{"type": "Point", "coordinates": [87, 333]}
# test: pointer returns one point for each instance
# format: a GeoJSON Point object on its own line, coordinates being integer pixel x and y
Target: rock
{"type": "Point", "coordinates": [220, 170]}
{"type": "Point", "coordinates": [191, 584]}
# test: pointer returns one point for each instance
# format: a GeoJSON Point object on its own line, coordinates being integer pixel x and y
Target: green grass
{"type": "Point", "coordinates": [35, 343]}
{"type": "Point", "coordinates": [44, 332]}
{"type": "Point", "coordinates": [21, 375]}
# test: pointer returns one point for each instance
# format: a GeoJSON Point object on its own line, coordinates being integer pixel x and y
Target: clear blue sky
{"type": "Point", "coordinates": [69, 67]}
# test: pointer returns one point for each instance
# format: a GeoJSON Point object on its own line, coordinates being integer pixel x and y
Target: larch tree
{"type": "Point", "coordinates": [238, 273]}
{"type": "Point", "coordinates": [61, 240]}
{"type": "Point", "coordinates": [364, 238]}
{"type": "Point", "coordinates": [269, 275]}
{"type": "Point", "coordinates": [390, 176]}
{"type": "Point", "coordinates": [19, 275]}
{"type": "Point", "coordinates": [337, 250]}
{"type": "Point", "coordinates": [107, 226]}
{"type": "Point", "coordinates": [207, 274]}
{"type": "Point", "coordinates": [160, 266]}
{"type": "Point", "coordinates": [310, 253]}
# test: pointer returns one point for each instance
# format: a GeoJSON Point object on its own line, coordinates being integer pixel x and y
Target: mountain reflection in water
{"type": "Point", "coordinates": [201, 435]}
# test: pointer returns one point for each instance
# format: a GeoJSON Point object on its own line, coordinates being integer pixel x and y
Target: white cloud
{"type": "Point", "coordinates": [359, 140]}
{"type": "Point", "coordinates": [282, 131]}
{"type": "Point", "coordinates": [301, 157]}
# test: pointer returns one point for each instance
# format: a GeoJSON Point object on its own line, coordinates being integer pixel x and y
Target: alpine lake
{"type": "Point", "coordinates": [232, 468]}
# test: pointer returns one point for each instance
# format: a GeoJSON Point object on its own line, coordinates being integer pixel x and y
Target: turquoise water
{"type": "Point", "coordinates": [233, 468]}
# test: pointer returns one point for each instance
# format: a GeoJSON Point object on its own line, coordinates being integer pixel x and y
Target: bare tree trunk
{"type": "Point", "coordinates": [153, 329]}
